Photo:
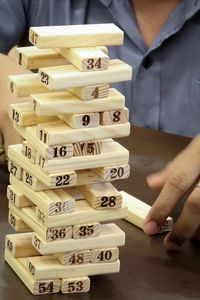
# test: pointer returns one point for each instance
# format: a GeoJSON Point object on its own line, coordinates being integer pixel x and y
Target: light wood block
{"type": "Point", "coordinates": [36, 287]}
{"type": "Point", "coordinates": [111, 154]}
{"type": "Point", "coordinates": [138, 210]}
{"type": "Point", "coordinates": [102, 195]}
{"type": "Point", "coordinates": [111, 236]}
{"type": "Point", "coordinates": [114, 172]}
{"type": "Point", "coordinates": [86, 59]}
{"type": "Point", "coordinates": [71, 36]}
{"type": "Point", "coordinates": [114, 117]}
{"type": "Point", "coordinates": [23, 114]}
{"type": "Point", "coordinates": [58, 133]}
{"type": "Point", "coordinates": [22, 84]}
{"type": "Point", "coordinates": [28, 151]}
{"type": "Point", "coordinates": [74, 257]}
{"type": "Point", "coordinates": [17, 224]}
{"type": "Point", "coordinates": [51, 202]}
{"type": "Point", "coordinates": [91, 92]}
{"type": "Point", "coordinates": [52, 104]}
{"type": "Point", "coordinates": [20, 245]}
{"type": "Point", "coordinates": [87, 148]}
{"type": "Point", "coordinates": [75, 285]}
{"type": "Point", "coordinates": [104, 255]}
{"type": "Point", "coordinates": [16, 196]}
{"type": "Point", "coordinates": [43, 267]}
{"type": "Point", "coordinates": [86, 230]}
{"type": "Point", "coordinates": [54, 181]}
{"type": "Point", "coordinates": [68, 76]}
{"type": "Point", "coordinates": [15, 169]}
{"type": "Point", "coordinates": [88, 120]}
{"type": "Point", "coordinates": [31, 181]}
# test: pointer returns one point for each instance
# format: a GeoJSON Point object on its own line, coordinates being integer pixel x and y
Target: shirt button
{"type": "Point", "coordinates": [147, 62]}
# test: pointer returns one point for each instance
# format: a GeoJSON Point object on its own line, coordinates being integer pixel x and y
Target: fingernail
{"type": "Point", "coordinates": [171, 246]}
{"type": "Point", "coordinates": [150, 227]}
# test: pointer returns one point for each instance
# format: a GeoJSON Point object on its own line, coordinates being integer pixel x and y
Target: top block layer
{"type": "Point", "coordinates": [71, 36]}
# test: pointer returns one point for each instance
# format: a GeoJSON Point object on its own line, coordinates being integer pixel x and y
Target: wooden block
{"type": "Point", "coordinates": [114, 117]}
{"type": "Point", "coordinates": [86, 230]}
{"type": "Point", "coordinates": [54, 181]}
{"type": "Point", "coordinates": [15, 169]}
{"type": "Point", "coordinates": [36, 287]}
{"type": "Point", "coordinates": [104, 255]}
{"type": "Point", "coordinates": [88, 120]}
{"type": "Point", "coordinates": [44, 267]}
{"type": "Point", "coordinates": [22, 84]}
{"type": "Point", "coordinates": [111, 154]}
{"type": "Point", "coordinates": [16, 196]}
{"type": "Point", "coordinates": [71, 36]}
{"type": "Point", "coordinates": [58, 133]}
{"type": "Point", "coordinates": [51, 202]}
{"type": "Point", "coordinates": [63, 77]}
{"type": "Point", "coordinates": [87, 148]}
{"type": "Point", "coordinates": [28, 151]}
{"type": "Point", "coordinates": [91, 92]}
{"type": "Point", "coordinates": [31, 181]}
{"type": "Point", "coordinates": [102, 195]}
{"type": "Point", "coordinates": [86, 59]}
{"type": "Point", "coordinates": [74, 257]}
{"type": "Point", "coordinates": [23, 114]}
{"type": "Point", "coordinates": [114, 172]}
{"type": "Point", "coordinates": [75, 285]}
{"type": "Point", "coordinates": [137, 211]}
{"type": "Point", "coordinates": [20, 245]}
{"type": "Point", "coordinates": [17, 223]}
{"type": "Point", "coordinates": [58, 103]}
{"type": "Point", "coordinates": [111, 236]}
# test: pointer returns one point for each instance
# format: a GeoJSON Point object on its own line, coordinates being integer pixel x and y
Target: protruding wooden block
{"type": "Point", "coordinates": [15, 169]}
{"type": "Point", "coordinates": [74, 257]}
{"type": "Point", "coordinates": [64, 77]}
{"type": "Point", "coordinates": [104, 255]}
{"type": "Point", "coordinates": [113, 172]}
{"type": "Point", "coordinates": [16, 197]}
{"type": "Point", "coordinates": [20, 245]}
{"type": "Point", "coordinates": [36, 287]}
{"type": "Point", "coordinates": [87, 148]}
{"type": "Point", "coordinates": [17, 223]}
{"type": "Point", "coordinates": [76, 36]}
{"type": "Point", "coordinates": [138, 210]}
{"type": "Point", "coordinates": [102, 195]}
{"type": "Point", "coordinates": [86, 230]}
{"type": "Point", "coordinates": [28, 151]}
{"type": "Point", "coordinates": [86, 59]}
{"type": "Point", "coordinates": [91, 92]}
{"type": "Point", "coordinates": [75, 285]}
{"type": "Point", "coordinates": [114, 117]}
{"type": "Point", "coordinates": [88, 120]}
{"type": "Point", "coordinates": [31, 181]}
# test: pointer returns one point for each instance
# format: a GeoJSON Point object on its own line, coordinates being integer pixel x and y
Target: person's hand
{"type": "Point", "coordinates": [175, 180]}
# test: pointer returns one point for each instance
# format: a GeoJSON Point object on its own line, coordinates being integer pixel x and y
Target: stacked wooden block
{"type": "Point", "coordinates": [61, 175]}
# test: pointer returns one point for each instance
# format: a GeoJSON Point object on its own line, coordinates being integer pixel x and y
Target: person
{"type": "Point", "coordinates": [161, 43]}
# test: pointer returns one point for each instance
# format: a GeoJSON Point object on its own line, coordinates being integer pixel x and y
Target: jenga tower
{"type": "Point", "coordinates": [61, 175]}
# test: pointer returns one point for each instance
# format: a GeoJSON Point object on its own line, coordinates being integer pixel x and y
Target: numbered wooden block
{"type": "Point", "coordinates": [87, 148]}
{"type": "Point", "coordinates": [17, 223]}
{"type": "Point", "coordinates": [114, 117]}
{"type": "Point", "coordinates": [17, 198]}
{"type": "Point", "coordinates": [75, 285]}
{"type": "Point", "coordinates": [86, 59]}
{"type": "Point", "coordinates": [23, 85]}
{"type": "Point", "coordinates": [28, 151]}
{"type": "Point", "coordinates": [74, 257]}
{"type": "Point", "coordinates": [88, 120]}
{"type": "Point", "coordinates": [102, 195]}
{"type": "Point", "coordinates": [86, 230]}
{"type": "Point", "coordinates": [36, 287]}
{"type": "Point", "coordinates": [33, 182]}
{"type": "Point", "coordinates": [20, 245]}
{"type": "Point", "coordinates": [15, 169]}
{"type": "Point", "coordinates": [68, 76]}
{"type": "Point", "coordinates": [76, 36]}
{"type": "Point", "coordinates": [56, 234]}
{"type": "Point", "coordinates": [91, 92]}
{"type": "Point", "coordinates": [104, 255]}
{"type": "Point", "coordinates": [114, 172]}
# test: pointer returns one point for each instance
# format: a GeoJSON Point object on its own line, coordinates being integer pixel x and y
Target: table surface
{"type": "Point", "coordinates": [147, 270]}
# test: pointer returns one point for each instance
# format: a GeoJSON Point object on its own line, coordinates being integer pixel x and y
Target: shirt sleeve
{"type": "Point", "coordinates": [12, 23]}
